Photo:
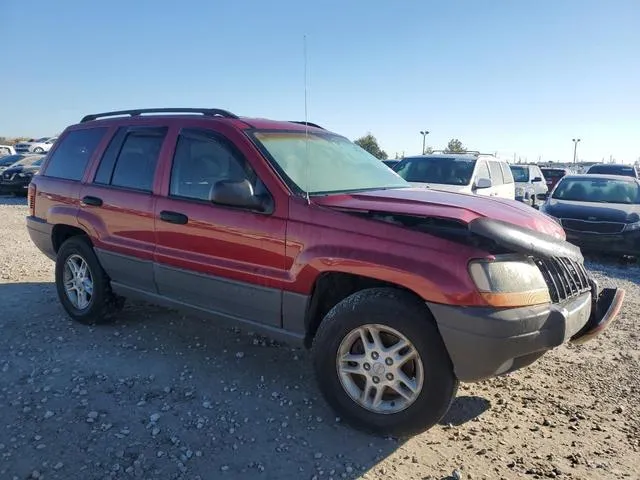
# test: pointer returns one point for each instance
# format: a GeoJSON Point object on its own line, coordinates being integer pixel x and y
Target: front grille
{"type": "Point", "coordinates": [565, 278]}
{"type": "Point", "coordinates": [592, 227]}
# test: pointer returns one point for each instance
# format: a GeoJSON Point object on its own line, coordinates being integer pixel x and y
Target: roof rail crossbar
{"type": "Point", "coordinates": [473, 152]}
{"type": "Point", "coordinates": [211, 112]}
{"type": "Point", "coordinates": [307, 123]}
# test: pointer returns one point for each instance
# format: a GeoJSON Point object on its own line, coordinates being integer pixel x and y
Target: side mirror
{"type": "Point", "coordinates": [235, 193]}
{"type": "Point", "coordinates": [537, 179]}
{"type": "Point", "coordinates": [482, 183]}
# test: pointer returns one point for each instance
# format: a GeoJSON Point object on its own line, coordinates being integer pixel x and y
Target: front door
{"type": "Point", "coordinates": [226, 260]}
{"type": "Point", "coordinates": [482, 171]}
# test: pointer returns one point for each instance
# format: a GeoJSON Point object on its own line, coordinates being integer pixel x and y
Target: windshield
{"type": "Point", "coordinates": [9, 160]}
{"type": "Point", "coordinates": [553, 173]}
{"type": "Point", "coordinates": [520, 174]}
{"type": "Point", "coordinates": [41, 140]}
{"type": "Point", "coordinates": [598, 190]}
{"type": "Point", "coordinates": [438, 170]}
{"type": "Point", "coordinates": [325, 163]}
{"type": "Point", "coordinates": [613, 170]}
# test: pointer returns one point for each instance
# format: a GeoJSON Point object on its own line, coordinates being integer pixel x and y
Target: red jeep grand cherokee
{"type": "Point", "coordinates": [289, 229]}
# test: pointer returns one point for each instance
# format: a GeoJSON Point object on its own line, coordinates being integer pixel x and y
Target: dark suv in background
{"type": "Point", "coordinates": [298, 233]}
{"type": "Point", "coordinates": [614, 169]}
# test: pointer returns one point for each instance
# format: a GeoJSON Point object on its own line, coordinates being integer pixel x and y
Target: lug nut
{"type": "Point", "coordinates": [389, 361]}
{"type": "Point", "coordinates": [376, 380]}
{"type": "Point", "coordinates": [375, 355]}
{"type": "Point", "coordinates": [389, 376]}
{"type": "Point", "coordinates": [366, 366]}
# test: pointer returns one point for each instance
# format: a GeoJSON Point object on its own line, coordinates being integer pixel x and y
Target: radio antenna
{"type": "Point", "coordinates": [306, 118]}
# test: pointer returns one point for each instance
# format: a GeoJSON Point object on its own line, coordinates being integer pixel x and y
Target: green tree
{"type": "Point", "coordinates": [370, 144]}
{"type": "Point", "coordinates": [428, 150]}
{"type": "Point", "coordinates": [455, 146]}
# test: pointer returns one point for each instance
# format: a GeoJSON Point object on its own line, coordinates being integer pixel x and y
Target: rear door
{"type": "Point", "coordinates": [117, 206]}
{"type": "Point", "coordinates": [226, 260]}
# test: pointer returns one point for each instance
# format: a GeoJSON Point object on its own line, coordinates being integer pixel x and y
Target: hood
{"type": "Point", "coordinates": [593, 212]}
{"type": "Point", "coordinates": [22, 169]}
{"type": "Point", "coordinates": [454, 206]}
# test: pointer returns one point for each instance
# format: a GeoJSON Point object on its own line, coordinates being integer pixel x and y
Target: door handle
{"type": "Point", "coordinates": [173, 217]}
{"type": "Point", "coordinates": [93, 201]}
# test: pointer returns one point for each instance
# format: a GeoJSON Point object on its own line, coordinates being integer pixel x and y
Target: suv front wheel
{"type": "Point", "coordinates": [381, 363]}
{"type": "Point", "coordinates": [83, 286]}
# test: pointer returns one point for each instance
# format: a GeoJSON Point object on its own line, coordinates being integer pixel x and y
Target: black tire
{"type": "Point", "coordinates": [103, 303]}
{"type": "Point", "coordinates": [408, 315]}
{"type": "Point", "coordinates": [38, 150]}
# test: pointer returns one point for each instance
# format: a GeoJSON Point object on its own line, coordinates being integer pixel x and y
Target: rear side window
{"type": "Point", "coordinates": [72, 155]}
{"type": "Point", "coordinates": [131, 158]}
{"type": "Point", "coordinates": [506, 173]}
{"type": "Point", "coordinates": [496, 173]}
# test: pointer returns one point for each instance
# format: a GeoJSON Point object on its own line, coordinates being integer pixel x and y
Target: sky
{"type": "Point", "coordinates": [515, 77]}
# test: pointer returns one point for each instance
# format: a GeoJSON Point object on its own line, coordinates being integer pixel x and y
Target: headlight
{"type": "Point", "coordinates": [630, 227]}
{"type": "Point", "coordinates": [519, 192]}
{"type": "Point", "coordinates": [509, 281]}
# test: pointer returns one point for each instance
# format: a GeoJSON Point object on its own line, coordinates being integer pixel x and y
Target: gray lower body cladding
{"type": "Point", "coordinates": [485, 342]}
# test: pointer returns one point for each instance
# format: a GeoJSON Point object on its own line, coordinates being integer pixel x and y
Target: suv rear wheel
{"type": "Point", "coordinates": [381, 363]}
{"type": "Point", "coordinates": [83, 286]}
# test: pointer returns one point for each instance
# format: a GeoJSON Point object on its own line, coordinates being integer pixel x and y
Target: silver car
{"type": "Point", "coordinates": [40, 145]}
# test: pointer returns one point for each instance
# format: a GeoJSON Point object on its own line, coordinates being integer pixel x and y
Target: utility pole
{"type": "Point", "coordinates": [424, 134]}
{"type": "Point", "coordinates": [575, 149]}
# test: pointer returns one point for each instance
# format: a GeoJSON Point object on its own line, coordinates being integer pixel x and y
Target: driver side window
{"type": "Point", "coordinates": [201, 159]}
{"type": "Point", "coordinates": [482, 171]}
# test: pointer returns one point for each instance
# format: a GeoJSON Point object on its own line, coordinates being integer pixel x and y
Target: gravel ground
{"type": "Point", "coordinates": [163, 396]}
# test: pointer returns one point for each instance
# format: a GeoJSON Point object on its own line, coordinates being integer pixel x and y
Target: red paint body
{"type": "Point", "coordinates": [289, 248]}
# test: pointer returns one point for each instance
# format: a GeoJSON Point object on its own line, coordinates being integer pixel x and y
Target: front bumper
{"type": "Point", "coordinates": [485, 342]}
{"type": "Point", "coordinates": [625, 243]}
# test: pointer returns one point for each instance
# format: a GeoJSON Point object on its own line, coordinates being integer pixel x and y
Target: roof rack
{"type": "Point", "coordinates": [471, 152]}
{"type": "Point", "coordinates": [210, 112]}
{"type": "Point", "coordinates": [309, 124]}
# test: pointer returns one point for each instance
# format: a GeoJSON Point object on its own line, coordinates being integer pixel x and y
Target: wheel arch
{"type": "Point", "coordinates": [331, 287]}
{"type": "Point", "coordinates": [62, 232]}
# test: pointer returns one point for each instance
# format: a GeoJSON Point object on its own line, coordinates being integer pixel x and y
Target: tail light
{"type": "Point", "coordinates": [31, 196]}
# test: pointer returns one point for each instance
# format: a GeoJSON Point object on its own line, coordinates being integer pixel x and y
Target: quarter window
{"type": "Point", "coordinates": [506, 173]}
{"type": "Point", "coordinates": [70, 158]}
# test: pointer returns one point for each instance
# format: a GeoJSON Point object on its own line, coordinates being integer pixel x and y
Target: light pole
{"type": "Point", "coordinates": [424, 138]}
{"type": "Point", "coordinates": [575, 148]}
